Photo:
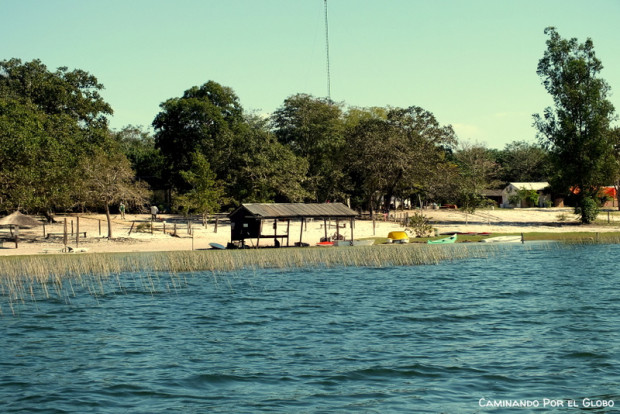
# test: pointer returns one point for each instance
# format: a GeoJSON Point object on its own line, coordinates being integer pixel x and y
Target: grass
{"type": "Point", "coordinates": [25, 278]}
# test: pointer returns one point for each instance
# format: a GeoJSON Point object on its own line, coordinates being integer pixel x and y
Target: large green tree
{"type": "Point", "coordinates": [396, 153]}
{"type": "Point", "coordinates": [575, 131]}
{"type": "Point", "coordinates": [205, 119]}
{"type": "Point", "coordinates": [49, 121]}
{"type": "Point", "coordinates": [266, 170]}
{"type": "Point", "coordinates": [313, 128]}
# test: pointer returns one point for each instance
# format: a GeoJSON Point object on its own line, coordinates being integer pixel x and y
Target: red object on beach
{"type": "Point", "coordinates": [325, 244]}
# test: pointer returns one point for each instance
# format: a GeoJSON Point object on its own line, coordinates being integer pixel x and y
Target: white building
{"type": "Point", "coordinates": [542, 188]}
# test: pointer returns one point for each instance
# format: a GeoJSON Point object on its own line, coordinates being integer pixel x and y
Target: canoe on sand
{"type": "Point", "coordinates": [446, 240]}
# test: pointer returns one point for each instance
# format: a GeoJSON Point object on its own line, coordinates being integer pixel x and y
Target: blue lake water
{"type": "Point", "coordinates": [538, 325]}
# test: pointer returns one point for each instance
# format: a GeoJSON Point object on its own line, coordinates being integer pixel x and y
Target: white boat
{"type": "Point", "coordinates": [343, 243]}
{"type": "Point", "coordinates": [502, 239]}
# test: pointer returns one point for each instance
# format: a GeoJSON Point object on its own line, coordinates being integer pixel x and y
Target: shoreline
{"type": "Point", "coordinates": [128, 239]}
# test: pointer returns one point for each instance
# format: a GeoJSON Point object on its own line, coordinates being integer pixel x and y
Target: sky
{"type": "Point", "coordinates": [472, 63]}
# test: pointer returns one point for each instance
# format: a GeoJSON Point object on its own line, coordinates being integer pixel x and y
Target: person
{"type": "Point", "coordinates": [121, 208]}
{"type": "Point", "coordinates": [154, 211]}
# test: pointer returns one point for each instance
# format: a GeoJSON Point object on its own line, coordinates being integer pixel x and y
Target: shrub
{"type": "Point", "coordinates": [420, 225]}
{"type": "Point", "coordinates": [588, 209]}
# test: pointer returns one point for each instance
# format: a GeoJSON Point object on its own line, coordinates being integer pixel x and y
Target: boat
{"type": "Point", "coordinates": [325, 244]}
{"type": "Point", "coordinates": [366, 242]}
{"type": "Point", "coordinates": [445, 240]}
{"type": "Point", "coordinates": [217, 246]}
{"type": "Point", "coordinates": [398, 237]}
{"type": "Point", "coordinates": [348, 243]}
{"type": "Point", "coordinates": [503, 239]}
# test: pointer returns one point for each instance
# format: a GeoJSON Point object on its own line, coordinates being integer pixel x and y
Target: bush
{"type": "Point", "coordinates": [588, 209]}
{"type": "Point", "coordinates": [420, 225]}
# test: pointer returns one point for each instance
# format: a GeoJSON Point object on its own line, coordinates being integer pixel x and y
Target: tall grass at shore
{"type": "Point", "coordinates": [62, 276]}
{"type": "Point", "coordinates": [28, 277]}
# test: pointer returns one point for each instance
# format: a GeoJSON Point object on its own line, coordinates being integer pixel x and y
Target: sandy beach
{"type": "Point", "coordinates": [129, 236]}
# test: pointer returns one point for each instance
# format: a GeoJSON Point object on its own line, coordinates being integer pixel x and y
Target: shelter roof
{"type": "Point", "coordinates": [19, 219]}
{"type": "Point", "coordinates": [295, 210]}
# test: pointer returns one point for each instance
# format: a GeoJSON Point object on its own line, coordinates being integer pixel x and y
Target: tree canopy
{"type": "Point", "coordinates": [575, 131]}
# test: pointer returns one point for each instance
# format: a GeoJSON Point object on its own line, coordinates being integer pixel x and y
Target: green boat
{"type": "Point", "coordinates": [451, 239]}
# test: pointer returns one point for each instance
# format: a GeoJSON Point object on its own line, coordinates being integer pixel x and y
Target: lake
{"type": "Point", "coordinates": [532, 325]}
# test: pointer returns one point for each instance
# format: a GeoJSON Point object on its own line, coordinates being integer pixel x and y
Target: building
{"type": "Point", "coordinates": [509, 194]}
{"type": "Point", "coordinates": [247, 221]}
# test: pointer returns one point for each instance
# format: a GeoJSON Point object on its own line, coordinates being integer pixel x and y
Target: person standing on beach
{"type": "Point", "coordinates": [154, 211]}
{"type": "Point", "coordinates": [121, 209]}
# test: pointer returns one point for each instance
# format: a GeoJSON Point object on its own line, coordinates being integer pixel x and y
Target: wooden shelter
{"type": "Point", "coordinates": [15, 221]}
{"type": "Point", "coordinates": [247, 220]}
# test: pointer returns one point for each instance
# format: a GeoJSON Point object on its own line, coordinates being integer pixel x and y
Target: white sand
{"type": "Point", "coordinates": [446, 221]}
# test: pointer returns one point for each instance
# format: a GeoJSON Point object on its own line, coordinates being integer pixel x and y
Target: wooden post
{"type": "Point", "coordinates": [165, 228]}
{"type": "Point", "coordinates": [373, 225]}
{"type": "Point", "coordinates": [337, 229]}
{"type": "Point", "coordinates": [71, 228]}
{"type": "Point", "coordinates": [189, 227]}
{"type": "Point", "coordinates": [77, 233]}
{"type": "Point", "coordinates": [260, 231]}
{"type": "Point", "coordinates": [301, 233]}
{"type": "Point", "coordinates": [352, 220]}
{"type": "Point", "coordinates": [133, 223]}
{"type": "Point", "coordinates": [43, 229]}
{"type": "Point", "coordinates": [16, 236]}
{"type": "Point", "coordinates": [216, 223]}
{"type": "Point", "coordinates": [129, 229]}
{"type": "Point", "coordinates": [175, 229]}
{"type": "Point", "coordinates": [151, 224]}
{"type": "Point", "coordinates": [325, 228]}
{"type": "Point", "coordinates": [64, 233]}
{"type": "Point", "coordinates": [288, 226]}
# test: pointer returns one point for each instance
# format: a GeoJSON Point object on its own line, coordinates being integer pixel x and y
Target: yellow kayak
{"type": "Point", "coordinates": [398, 237]}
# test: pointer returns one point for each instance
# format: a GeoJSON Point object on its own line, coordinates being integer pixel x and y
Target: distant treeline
{"type": "Point", "coordinates": [207, 154]}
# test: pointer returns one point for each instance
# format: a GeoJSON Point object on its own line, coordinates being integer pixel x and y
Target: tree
{"type": "Point", "coordinates": [146, 160]}
{"type": "Point", "coordinates": [108, 180]}
{"type": "Point", "coordinates": [313, 129]}
{"type": "Point", "coordinates": [206, 192]}
{"type": "Point", "coordinates": [205, 119]}
{"type": "Point", "coordinates": [523, 162]}
{"type": "Point", "coordinates": [477, 172]}
{"type": "Point", "coordinates": [575, 132]}
{"type": "Point", "coordinates": [265, 170]}
{"type": "Point", "coordinates": [395, 155]}
{"type": "Point", "coordinates": [74, 93]}
{"type": "Point", "coordinates": [38, 158]}
{"type": "Point", "coordinates": [49, 121]}
{"type": "Point", "coordinates": [614, 136]}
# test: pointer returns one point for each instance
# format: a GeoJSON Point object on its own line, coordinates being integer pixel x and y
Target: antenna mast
{"type": "Point", "coordinates": [329, 93]}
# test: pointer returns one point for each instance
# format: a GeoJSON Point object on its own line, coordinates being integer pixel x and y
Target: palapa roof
{"type": "Point", "coordinates": [294, 210]}
{"type": "Point", "coordinates": [19, 219]}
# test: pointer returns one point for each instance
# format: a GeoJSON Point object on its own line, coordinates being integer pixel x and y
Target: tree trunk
{"type": "Point", "coordinates": [49, 216]}
{"type": "Point", "coordinates": [107, 215]}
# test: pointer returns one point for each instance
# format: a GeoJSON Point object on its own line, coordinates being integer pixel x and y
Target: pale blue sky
{"type": "Point", "coordinates": [470, 62]}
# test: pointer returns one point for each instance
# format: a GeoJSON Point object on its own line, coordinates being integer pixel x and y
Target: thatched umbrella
{"type": "Point", "coordinates": [17, 220]}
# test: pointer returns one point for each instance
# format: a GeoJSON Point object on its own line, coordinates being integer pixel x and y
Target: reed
{"type": "Point", "coordinates": [24, 277]}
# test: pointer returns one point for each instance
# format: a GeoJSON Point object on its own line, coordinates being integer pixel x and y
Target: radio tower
{"type": "Point", "coordinates": [329, 92]}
